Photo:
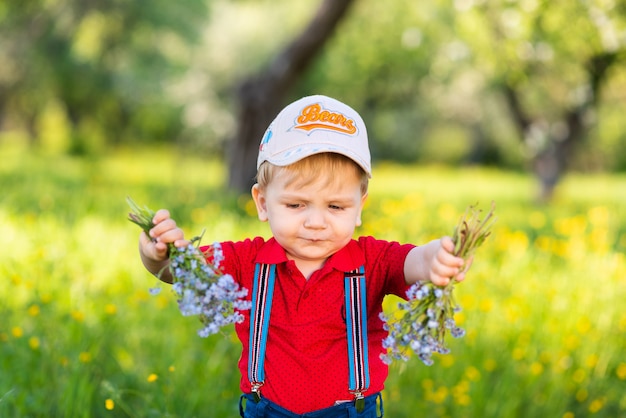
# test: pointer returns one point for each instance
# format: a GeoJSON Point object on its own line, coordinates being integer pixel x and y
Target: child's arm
{"type": "Point", "coordinates": [153, 248]}
{"type": "Point", "coordinates": [435, 262]}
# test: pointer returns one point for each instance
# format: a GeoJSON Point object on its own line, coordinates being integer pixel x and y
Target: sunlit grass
{"type": "Point", "coordinates": [81, 336]}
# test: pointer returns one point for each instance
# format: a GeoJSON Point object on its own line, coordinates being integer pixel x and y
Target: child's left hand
{"type": "Point", "coordinates": [445, 266]}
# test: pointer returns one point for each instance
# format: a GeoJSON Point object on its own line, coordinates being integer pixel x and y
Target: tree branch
{"type": "Point", "coordinates": [520, 118]}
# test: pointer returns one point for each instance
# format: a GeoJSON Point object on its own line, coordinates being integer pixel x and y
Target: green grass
{"type": "Point", "coordinates": [79, 331]}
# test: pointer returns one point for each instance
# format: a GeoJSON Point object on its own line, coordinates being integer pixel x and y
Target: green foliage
{"type": "Point", "coordinates": [80, 333]}
{"type": "Point", "coordinates": [426, 77]}
{"type": "Point", "coordinates": [416, 70]}
{"type": "Point", "coordinates": [108, 65]}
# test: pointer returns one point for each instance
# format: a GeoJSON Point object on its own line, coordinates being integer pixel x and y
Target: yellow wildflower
{"type": "Point", "coordinates": [109, 404]}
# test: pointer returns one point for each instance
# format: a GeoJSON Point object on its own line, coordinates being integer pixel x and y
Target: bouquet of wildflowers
{"type": "Point", "coordinates": [201, 288]}
{"type": "Point", "coordinates": [428, 314]}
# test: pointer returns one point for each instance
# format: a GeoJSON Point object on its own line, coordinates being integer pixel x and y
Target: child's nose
{"type": "Point", "coordinates": [315, 219]}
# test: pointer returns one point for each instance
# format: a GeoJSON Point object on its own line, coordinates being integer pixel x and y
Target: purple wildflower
{"type": "Point", "coordinates": [204, 291]}
{"type": "Point", "coordinates": [428, 314]}
{"type": "Point", "coordinates": [201, 289]}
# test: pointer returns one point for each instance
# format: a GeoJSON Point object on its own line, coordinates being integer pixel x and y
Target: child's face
{"type": "Point", "coordinates": [311, 221]}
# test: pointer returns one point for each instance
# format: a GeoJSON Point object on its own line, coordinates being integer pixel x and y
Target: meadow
{"type": "Point", "coordinates": [81, 336]}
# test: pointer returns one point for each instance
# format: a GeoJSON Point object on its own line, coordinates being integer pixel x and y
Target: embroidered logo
{"type": "Point", "coordinates": [266, 138]}
{"type": "Point", "coordinates": [314, 117]}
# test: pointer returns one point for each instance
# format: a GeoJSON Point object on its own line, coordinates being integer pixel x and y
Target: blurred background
{"type": "Point", "coordinates": [529, 85]}
{"type": "Point", "coordinates": [520, 102]}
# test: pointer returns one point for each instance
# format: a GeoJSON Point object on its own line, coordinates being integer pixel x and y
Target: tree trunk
{"type": "Point", "coordinates": [551, 148]}
{"type": "Point", "coordinates": [262, 96]}
{"type": "Point", "coordinates": [551, 162]}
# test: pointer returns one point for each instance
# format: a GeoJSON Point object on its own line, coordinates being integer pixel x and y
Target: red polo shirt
{"type": "Point", "coordinates": [306, 362]}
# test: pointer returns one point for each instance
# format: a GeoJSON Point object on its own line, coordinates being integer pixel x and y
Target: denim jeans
{"type": "Point", "coordinates": [248, 408]}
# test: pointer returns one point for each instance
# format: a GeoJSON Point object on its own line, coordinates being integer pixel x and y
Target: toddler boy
{"type": "Point", "coordinates": [311, 343]}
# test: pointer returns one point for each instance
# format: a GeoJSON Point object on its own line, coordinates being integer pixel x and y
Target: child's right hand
{"type": "Point", "coordinates": [165, 231]}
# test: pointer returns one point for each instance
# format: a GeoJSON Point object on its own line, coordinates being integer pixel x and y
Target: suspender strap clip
{"type": "Point", "coordinates": [256, 391]}
{"type": "Point", "coordinates": [359, 401]}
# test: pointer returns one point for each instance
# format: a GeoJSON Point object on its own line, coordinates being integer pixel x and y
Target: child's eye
{"type": "Point", "coordinates": [335, 207]}
{"type": "Point", "coordinates": [293, 205]}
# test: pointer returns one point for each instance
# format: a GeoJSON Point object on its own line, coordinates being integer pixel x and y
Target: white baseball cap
{"type": "Point", "coordinates": [312, 125]}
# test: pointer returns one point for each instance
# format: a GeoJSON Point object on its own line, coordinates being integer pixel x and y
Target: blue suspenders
{"type": "Point", "coordinates": [262, 292]}
{"type": "Point", "coordinates": [356, 329]}
{"type": "Point", "coordinates": [356, 333]}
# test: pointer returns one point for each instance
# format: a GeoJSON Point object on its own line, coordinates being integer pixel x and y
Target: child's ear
{"type": "Point", "coordinates": [358, 218]}
{"type": "Point", "coordinates": [261, 203]}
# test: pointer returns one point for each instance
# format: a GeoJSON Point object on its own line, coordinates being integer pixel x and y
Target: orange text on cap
{"type": "Point", "coordinates": [313, 117]}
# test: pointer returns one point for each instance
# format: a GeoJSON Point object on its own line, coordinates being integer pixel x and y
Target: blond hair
{"type": "Point", "coordinates": [308, 170]}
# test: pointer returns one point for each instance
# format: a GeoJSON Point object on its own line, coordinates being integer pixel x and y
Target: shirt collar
{"type": "Point", "coordinates": [348, 258]}
{"type": "Point", "coordinates": [271, 253]}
